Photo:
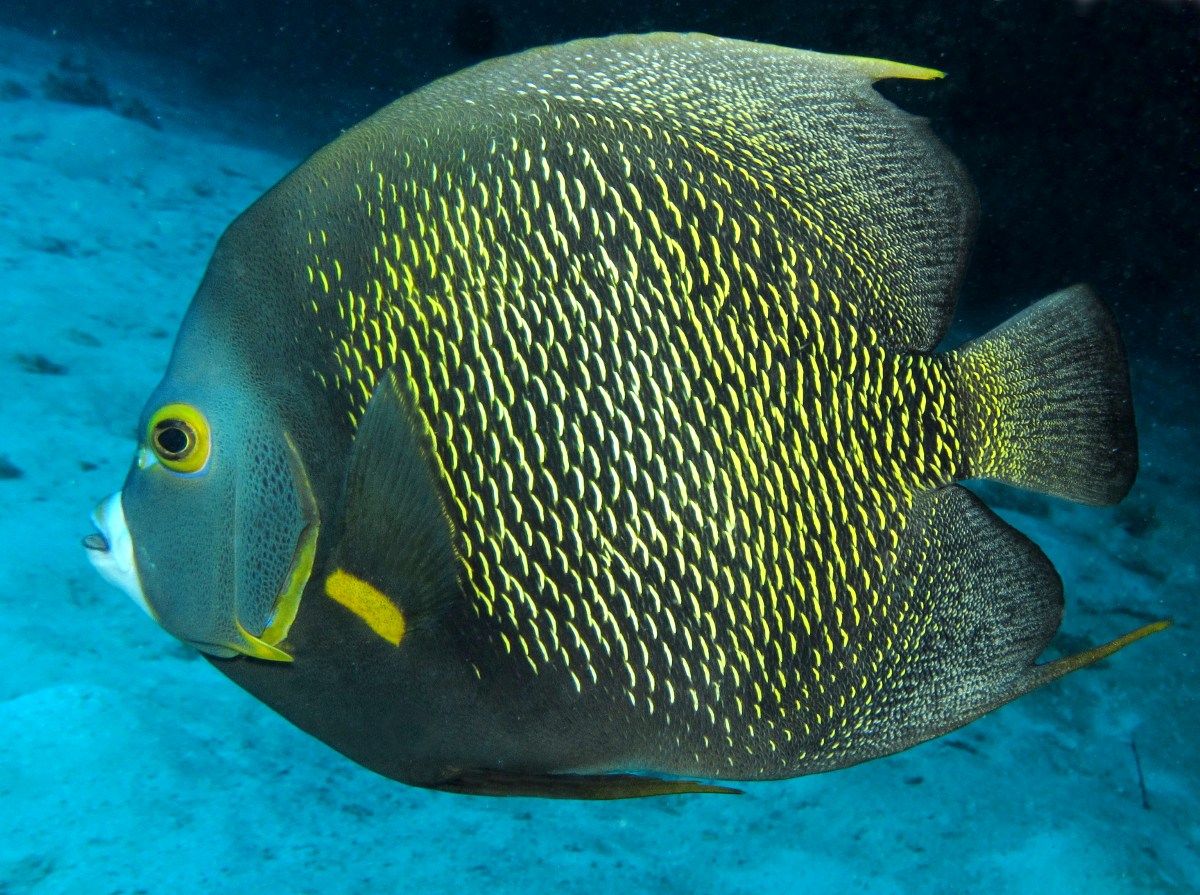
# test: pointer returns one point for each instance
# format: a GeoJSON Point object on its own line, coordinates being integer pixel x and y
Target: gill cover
{"type": "Point", "coordinates": [220, 511]}
{"type": "Point", "coordinates": [275, 521]}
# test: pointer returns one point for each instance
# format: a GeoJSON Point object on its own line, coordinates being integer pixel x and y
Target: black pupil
{"type": "Point", "coordinates": [173, 438]}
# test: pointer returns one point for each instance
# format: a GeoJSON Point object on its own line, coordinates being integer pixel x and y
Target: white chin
{"type": "Point", "coordinates": [116, 563]}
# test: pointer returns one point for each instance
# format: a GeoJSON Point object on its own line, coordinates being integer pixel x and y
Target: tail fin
{"type": "Point", "coordinates": [1047, 401]}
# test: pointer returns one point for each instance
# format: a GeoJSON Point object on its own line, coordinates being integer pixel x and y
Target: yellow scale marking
{"type": "Point", "coordinates": [373, 607]}
{"type": "Point", "coordinates": [694, 357]}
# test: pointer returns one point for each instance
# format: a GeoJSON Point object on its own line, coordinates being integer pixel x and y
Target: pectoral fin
{"type": "Point", "coordinates": [393, 563]}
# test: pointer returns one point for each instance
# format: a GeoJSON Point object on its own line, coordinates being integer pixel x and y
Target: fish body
{"type": "Point", "coordinates": [577, 418]}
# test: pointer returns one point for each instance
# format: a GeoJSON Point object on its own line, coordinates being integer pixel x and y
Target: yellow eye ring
{"type": "Point", "coordinates": [180, 438]}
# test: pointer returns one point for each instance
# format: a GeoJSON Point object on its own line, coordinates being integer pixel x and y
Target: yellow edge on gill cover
{"type": "Point", "coordinates": [368, 603]}
{"type": "Point", "coordinates": [879, 69]}
{"type": "Point", "coordinates": [257, 648]}
{"type": "Point", "coordinates": [288, 602]}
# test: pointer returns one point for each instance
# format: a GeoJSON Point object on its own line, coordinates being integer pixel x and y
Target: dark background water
{"type": "Point", "coordinates": [1080, 121]}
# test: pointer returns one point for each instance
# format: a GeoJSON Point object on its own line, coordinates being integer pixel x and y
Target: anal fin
{"type": "Point", "coordinates": [985, 602]}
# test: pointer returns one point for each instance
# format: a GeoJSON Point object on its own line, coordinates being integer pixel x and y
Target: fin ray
{"type": "Point", "coordinates": [1052, 671]}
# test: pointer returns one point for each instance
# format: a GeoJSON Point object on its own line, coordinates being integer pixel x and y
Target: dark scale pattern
{"type": "Point", "coordinates": [654, 353]}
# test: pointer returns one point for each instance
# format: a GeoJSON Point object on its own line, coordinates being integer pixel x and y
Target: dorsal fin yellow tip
{"type": "Point", "coordinates": [880, 69]}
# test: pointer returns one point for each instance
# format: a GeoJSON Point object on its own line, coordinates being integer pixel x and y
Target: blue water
{"type": "Point", "coordinates": [128, 764]}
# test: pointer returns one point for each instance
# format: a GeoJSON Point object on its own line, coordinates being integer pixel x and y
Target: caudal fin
{"type": "Point", "coordinates": [1047, 401]}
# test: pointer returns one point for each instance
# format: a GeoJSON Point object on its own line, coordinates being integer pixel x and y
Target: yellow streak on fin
{"type": "Point", "coordinates": [879, 69]}
{"type": "Point", "coordinates": [369, 604]}
{"type": "Point", "coordinates": [258, 648]}
{"type": "Point", "coordinates": [1056, 669]}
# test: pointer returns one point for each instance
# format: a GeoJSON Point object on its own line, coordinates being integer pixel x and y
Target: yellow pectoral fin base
{"type": "Point", "coordinates": [368, 603]}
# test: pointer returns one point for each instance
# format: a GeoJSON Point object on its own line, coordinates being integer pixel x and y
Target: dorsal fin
{"type": "Point", "coordinates": [888, 213]}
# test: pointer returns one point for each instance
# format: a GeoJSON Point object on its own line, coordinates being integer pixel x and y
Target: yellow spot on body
{"type": "Point", "coordinates": [369, 604]}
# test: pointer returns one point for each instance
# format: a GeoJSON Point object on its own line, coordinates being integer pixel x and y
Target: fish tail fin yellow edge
{"type": "Point", "coordinates": [1044, 674]}
{"type": "Point", "coordinates": [882, 69]}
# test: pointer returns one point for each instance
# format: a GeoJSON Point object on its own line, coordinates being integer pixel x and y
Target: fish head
{"type": "Point", "coordinates": [214, 532]}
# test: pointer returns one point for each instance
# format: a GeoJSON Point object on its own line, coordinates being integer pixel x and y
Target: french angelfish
{"type": "Point", "coordinates": [573, 427]}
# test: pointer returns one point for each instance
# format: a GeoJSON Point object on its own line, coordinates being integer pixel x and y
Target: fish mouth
{"type": "Point", "coordinates": [96, 541]}
{"type": "Point", "coordinates": [110, 550]}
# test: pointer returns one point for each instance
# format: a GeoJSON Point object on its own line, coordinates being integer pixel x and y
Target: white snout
{"type": "Point", "coordinates": [113, 558]}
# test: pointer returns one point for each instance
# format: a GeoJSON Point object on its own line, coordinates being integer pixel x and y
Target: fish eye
{"type": "Point", "coordinates": [179, 437]}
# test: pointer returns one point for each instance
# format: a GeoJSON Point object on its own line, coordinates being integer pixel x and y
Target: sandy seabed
{"type": "Point", "coordinates": [127, 764]}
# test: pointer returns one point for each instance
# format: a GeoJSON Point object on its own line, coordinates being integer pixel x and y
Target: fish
{"type": "Point", "coordinates": [575, 426]}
